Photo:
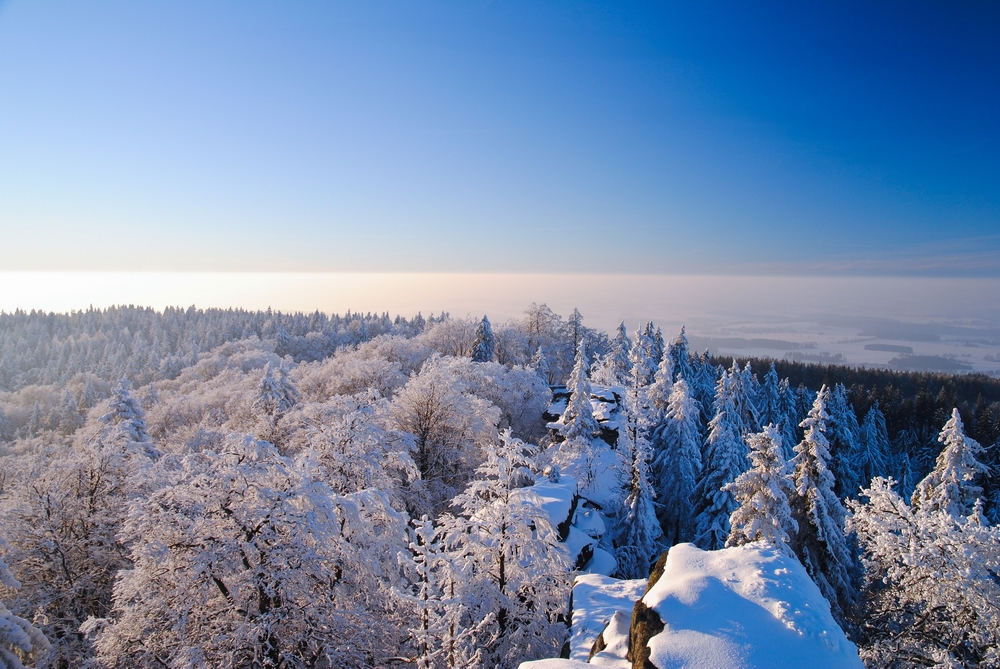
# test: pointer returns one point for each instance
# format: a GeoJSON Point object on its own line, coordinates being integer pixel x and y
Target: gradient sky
{"type": "Point", "coordinates": [775, 138]}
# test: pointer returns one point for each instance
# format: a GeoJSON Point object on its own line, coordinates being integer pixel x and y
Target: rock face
{"type": "Point", "coordinates": [646, 622]}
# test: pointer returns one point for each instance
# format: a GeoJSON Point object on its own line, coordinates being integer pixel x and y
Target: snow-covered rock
{"type": "Point", "coordinates": [748, 607]}
{"type": "Point", "coordinates": [596, 599]}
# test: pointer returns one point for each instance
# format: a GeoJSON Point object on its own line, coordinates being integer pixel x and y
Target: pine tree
{"type": "Point", "coordinates": [843, 435]}
{"type": "Point", "coordinates": [484, 346]}
{"type": "Point", "coordinates": [638, 528]}
{"type": "Point", "coordinates": [578, 418]}
{"type": "Point", "coordinates": [614, 366]}
{"type": "Point", "coordinates": [642, 368]}
{"type": "Point", "coordinates": [872, 458]}
{"type": "Point", "coordinates": [677, 462]}
{"type": "Point", "coordinates": [950, 487]}
{"type": "Point", "coordinates": [659, 346]}
{"type": "Point", "coordinates": [541, 365]}
{"type": "Point", "coordinates": [763, 492]}
{"type": "Point", "coordinates": [681, 357]}
{"type": "Point", "coordinates": [661, 388]}
{"type": "Point", "coordinates": [790, 419]}
{"type": "Point", "coordinates": [125, 413]}
{"type": "Point", "coordinates": [821, 543]}
{"type": "Point", "coordinates": [770, 409]}
{"type": "Point", "coordinates": [576, 328]}
{"type": "Point", "coordinates": [725, 458]}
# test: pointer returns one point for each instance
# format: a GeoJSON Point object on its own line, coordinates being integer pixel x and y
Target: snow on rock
{"type": "Point", "coordinates": [577, 519]}
{"type": "Point", "coordinates": [555, 664]}
{"type": "Point", "coordinates": [557, 498]}
{"type": "Point", "coordinates": [748, 607]}
{"type": "Point", "coordinates": [595, 600]}
{"type": "Point", "coordinates": [615, 643]}
{"type": "Point", "coordinates": [603, 563]}
{"type": "Point", "coordinates": [589, 520]}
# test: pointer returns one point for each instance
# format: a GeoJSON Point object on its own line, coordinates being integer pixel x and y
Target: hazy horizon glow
{"type": "Point", "coordinates": [639, 137]}
{"type": "Point", "coordinates": [604, 300]}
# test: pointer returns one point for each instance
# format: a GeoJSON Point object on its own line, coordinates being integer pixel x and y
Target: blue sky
{"type": "Point", "coordinates": [775, 138]}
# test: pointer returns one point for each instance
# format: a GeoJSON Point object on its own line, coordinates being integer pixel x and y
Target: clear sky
{"type": "Point", "coordinates": [706, 137]}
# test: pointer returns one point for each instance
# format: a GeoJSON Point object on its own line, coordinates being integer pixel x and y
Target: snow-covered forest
{"type": "Point", "coordinates": [225, 488]}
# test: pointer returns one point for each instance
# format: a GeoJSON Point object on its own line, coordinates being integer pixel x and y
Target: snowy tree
{"type": "Point", "coordinates": [641, 355]}
{"type": "Point", "coordinates": [438, 635]}
{"type": "Point", "coordinates": [484, 346]}
{"type": "Point", "coordinates": [931, 592]}
{"type": "Point", "coordinates": [125, 413]}
{"type": "Point", "coordinates": [244, 559]}
{"type": "Point", "coordinates": [61, 522]}
{"type": "Point", "coordinates": [661, 388]}
{"type": "Point", "coordinates": [677, 462]}
{"type": "Point", "coordinates": [872, 457]}
{"type": "Point", "coordinates": [747, 397]}
{"type": "Point", "coordinates": [578, 419]}
{"type": "Point", "coordinates": [541, 365]}
{"type": "Point", "coordinates": [790, 418]}
{"type": "Point", "coordinates": [576, 327]}
{"type": "Point", "coordinates": [821, 543]}
{"type": "Point", "coordinates": [769, 405]}
{"type": "Point", "coordinates": [451, 428]}
{"type": "Point", "coordinates": [724, 458]}
{"type": "Point", "coordinates": [950, 487]}
{"type": "Point", "coordinates": [6, 429]}
{"type": "Point", "coordinates": [638, 528]}
{"type": "Point", "coordinates": [681, 357]}
{"type": "Point", "coordinates": [843, 436]}
{"type": "Point", "coordinates": [763, 492]}
{"type": "Point", "coordinates": [613, 368]}
{"type": "Point", "coordinates": [276, 394]}
{"type": "Point", "coordinates": [20, 641]}
{"type": "Point", "coordinates": [350, 442]}
{"type": "Point", "coordinates": [659, 346]}
{"type": "Point", "coordinates": [513, 566]}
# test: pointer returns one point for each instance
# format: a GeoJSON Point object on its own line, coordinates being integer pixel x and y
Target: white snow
{"type": "Point", "coordinates": [616, 640]}
{"type": "Point", "coordinates": [595, 600]}
{"type": "Point", "coordinates": [557, 498]}
{"type": "Point", "coordinates": [747, 607]}
{"type": "Point", "coordinates": [589, 520]}
{"type": "Point", "coordinates": [603, 563]}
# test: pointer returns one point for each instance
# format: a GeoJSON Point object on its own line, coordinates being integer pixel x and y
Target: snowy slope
{"type": "Point", "coordinates": [742, 608]}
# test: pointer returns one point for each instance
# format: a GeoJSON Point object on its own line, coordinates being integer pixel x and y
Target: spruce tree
{"type": "Point", "coordinates": [950, 487]}
{"type": "Point", "coordinates": [872, 457]}
{"type": "Point", "coordinates": [578, 418]}
{"type": "Point", "coordinates": [725, 458]}
{"type": "Point", "coordinates": [484, 346]}
{"type": "Point", "coordinates": [614, 366]}
{"type": "Point", "coordinates": [681, 357]}
{"type": "Point", "coordinates": [638, 527]}
{"type": "Point", "coordinates": [821, 543]}
{"type": "Point", "coordinates": [677, 463]}
{"type": "Point", "coordinates": [843, 434]}
{"type": "Point", "coordinates": [763, 492]}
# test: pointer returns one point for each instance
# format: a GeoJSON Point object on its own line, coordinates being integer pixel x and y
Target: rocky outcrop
{"type": "Point", "coordinates": [645, 623]}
